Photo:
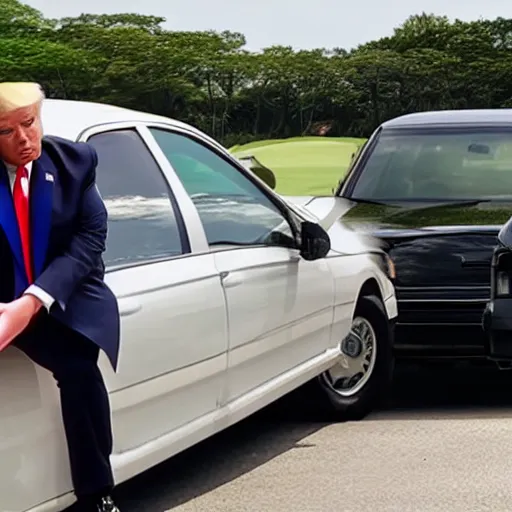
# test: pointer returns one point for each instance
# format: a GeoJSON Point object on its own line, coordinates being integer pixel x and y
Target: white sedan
{"type": "Point", "coordinates": [230, 298]}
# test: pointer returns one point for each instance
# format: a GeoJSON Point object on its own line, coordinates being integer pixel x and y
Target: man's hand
{"type": "Point", "coordinates": [15, 316]}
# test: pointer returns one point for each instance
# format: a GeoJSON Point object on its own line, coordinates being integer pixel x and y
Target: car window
{"type": "Point", "coordinates": [142, 223]}
{"type": "Point", "coordinates": [233, 209]}
{"type": "Point", "coordinates": [441, 164]}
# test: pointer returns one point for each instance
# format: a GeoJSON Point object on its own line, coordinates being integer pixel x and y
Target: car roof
{"type": "Point", "coordinates": [445, 117]}
{"type": "Point", "coordinates": [68, 118]}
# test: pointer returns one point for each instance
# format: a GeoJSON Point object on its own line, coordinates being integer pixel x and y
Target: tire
{"type": "Point", "coordinates": [372, 390]}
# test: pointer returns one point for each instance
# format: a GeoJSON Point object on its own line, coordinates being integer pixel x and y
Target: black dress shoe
{"type": "Point", "coordinates": [106, 504]}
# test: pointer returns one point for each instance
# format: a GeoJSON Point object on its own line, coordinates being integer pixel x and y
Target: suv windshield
{"type": "Point", "coordinates": [440, 164]}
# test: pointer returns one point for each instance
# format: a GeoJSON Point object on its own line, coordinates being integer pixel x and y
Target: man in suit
{"type": "Point", "coordinates": [54, 304]}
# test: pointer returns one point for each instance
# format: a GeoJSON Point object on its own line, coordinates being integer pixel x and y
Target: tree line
{"type": "Point", "coordinates": [209, 79]}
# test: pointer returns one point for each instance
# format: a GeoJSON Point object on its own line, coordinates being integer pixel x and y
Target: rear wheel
{"type": "Point", "coordinates": [361, 378]}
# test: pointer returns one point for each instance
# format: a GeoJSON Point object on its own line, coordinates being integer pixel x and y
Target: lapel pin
{"type": "Point", "coordinates": [48, 177]}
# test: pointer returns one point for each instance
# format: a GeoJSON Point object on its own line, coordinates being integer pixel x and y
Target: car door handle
{"type": "Point", "coordinates": [229, 280]}
{"type": "Point", "coordinates": [129, 306]}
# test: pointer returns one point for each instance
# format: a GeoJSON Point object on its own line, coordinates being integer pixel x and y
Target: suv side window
{"type": "Point", "coordinates": [233, 210]}
{"type": "Point", "coordinates": [143, 223]}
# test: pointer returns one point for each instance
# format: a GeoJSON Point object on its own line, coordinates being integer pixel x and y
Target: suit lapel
{"type": "Point", "coordinates": [41, 200]}
{"type": "Point", "coordinates": [9, 222]}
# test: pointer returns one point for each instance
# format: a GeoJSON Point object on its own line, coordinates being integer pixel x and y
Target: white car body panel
{"type": "Point", "coordinates": [208, 338]}
{"type": "Point", "coordinates": [159, 309]}
{"type": "Point", "coordinates": [274, 299]}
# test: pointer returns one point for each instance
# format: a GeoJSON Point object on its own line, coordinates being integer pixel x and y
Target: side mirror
{"type": "Point", "coordinates": [505, 234]}
{"type": "Point", "coordinates": [315, 242]}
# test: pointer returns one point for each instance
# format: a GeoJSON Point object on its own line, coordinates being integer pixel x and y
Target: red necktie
{"type": "Point", "coordinates": [21, 206]}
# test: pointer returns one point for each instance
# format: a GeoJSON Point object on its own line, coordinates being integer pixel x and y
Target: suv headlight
{"type": "Point", "coordinates": [386, 264]}
{"type": "Point", "coordinates": [502, 283]}
{"type": "Point", "coordinates": [502, 274]}
{"type": "Point", "coordinates": [391, 270]}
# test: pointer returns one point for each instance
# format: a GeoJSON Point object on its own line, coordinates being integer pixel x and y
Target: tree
{"type": "Point", "coordinates": [212, 81]}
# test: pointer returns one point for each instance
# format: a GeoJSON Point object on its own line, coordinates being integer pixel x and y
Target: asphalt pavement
{"type": "Point", "coordinates": [443, 445]}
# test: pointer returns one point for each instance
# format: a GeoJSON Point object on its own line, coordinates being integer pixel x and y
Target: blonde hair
{"type": "Point", "coordinates": [15, 95]}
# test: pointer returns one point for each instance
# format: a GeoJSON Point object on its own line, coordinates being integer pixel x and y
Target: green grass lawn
{"type": "Point", "coordinates": [303, 165]}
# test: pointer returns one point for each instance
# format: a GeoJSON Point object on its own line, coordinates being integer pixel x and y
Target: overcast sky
{"type": "Point", "coordinates": [298, 23]}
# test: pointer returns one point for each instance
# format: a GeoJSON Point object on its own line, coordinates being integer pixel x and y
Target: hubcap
{"type": "Point", "coordinates": [358, 352]}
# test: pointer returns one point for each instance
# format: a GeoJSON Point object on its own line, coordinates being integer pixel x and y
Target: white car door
{"type": "Point", "coordinates": [173, 315]}
{"type": "Point", "coordinates": [280, 306]}
{"type": "Point", "coordinates": [280, 310]}
{"type": "Point", "coordinates": [173, 358]}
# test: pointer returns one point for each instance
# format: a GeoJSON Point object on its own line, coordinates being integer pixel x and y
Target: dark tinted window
{"type": "Point", "coordinates": [442, 164]}
{"type": "Point", "coordinates": [232, 208]}
{"type": "Point", "coordinates": [142, 222]}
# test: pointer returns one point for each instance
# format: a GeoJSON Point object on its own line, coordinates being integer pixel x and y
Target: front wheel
{"type": "Point", "coordinates": [362, 376]}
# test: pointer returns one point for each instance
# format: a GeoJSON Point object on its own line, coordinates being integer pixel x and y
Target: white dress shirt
{"type": "Point", "coordinates": [38, 292]}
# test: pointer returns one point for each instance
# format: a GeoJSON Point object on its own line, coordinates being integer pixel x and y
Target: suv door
{"type": "Point", "coordinates": [279, 305]}
{"type": "Point", "coordinates": [173, 315]}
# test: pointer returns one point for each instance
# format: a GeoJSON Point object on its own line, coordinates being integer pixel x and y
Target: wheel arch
{"type": "Point", "coordinates": [369, 287]}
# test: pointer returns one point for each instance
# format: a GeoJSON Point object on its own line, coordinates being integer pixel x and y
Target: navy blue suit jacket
{"type": "Point", "coordinates": [68, 233]}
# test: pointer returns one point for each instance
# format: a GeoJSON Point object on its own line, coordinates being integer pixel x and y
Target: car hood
{"type": "Point", "coordinates": [433, 245]}
{"type": "Point", "coordinates": [403, 219]}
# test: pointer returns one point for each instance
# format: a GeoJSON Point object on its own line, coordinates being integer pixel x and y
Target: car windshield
{"type": "Point", "coordinates": [442, 164]}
